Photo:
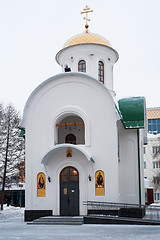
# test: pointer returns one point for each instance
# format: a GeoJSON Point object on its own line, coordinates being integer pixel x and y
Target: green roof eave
{"type": "Point", "coordinates": [132, 112]}
{"type": "Point", "coordinates": [22, 132]}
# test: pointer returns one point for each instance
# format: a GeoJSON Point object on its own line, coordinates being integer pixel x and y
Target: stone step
{"type": "Point", "coordinates": [55, 223]}
{"type": "Point", "coordinates": [59, 220]}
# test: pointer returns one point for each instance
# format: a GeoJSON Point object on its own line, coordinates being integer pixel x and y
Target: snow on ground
{"type": "Point", "coordinates": [12, 227]}
{"type": "Point", "coordinates": [11, 214]}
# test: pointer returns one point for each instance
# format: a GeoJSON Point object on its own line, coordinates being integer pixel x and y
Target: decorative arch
{"type": "Point", "coordinates": [82, 66]}
{"type": "Point", "coordinates": [101, 71]}
{"type": "Point", "coordinates": [71, 130]}
{"type": "Point", "coordinates": [55, 81]}
{"type": "Point", "coordinates": [46, 158]}
{"type": "Point", "coordinates": [65, 112]}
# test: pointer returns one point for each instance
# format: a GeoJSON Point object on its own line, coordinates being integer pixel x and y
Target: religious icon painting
{"type": "Point", "coordinates": [69, 153]}
{"type": "Point", "coordinates": [99, 183]}
{"type": "Point", "coordinates": [41, 185]}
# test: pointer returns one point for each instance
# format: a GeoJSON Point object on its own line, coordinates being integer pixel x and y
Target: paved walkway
{"type": "Point", "coordinates": [22, 231]}
{"type": "Point", "coordinates": [12, 227]}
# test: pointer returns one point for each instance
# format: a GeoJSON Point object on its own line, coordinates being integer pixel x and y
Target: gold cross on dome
{"type": "Point", "coordinates": [86, 11]}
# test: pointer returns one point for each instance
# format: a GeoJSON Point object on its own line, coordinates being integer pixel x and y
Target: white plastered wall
{"type": "Point", "coordinates": [94, 104]}
{"type": "Point", "coordinates": [128, 166]}
{"type": "Point", "coordinates": [92, 54]}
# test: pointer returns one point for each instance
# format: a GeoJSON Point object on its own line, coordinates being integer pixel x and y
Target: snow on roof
{"type": "Point", "coordinates": [151, 135]}
{"type": "Point", "coordinates": [15, 186]}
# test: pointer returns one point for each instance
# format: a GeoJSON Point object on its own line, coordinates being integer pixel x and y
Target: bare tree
{"type": "Point", "coordinates": [12, 147]}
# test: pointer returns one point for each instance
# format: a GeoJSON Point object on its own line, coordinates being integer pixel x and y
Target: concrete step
{"type": "Point", "coordinates": [59, 220]}
{"type": "Point", "coordinates": [99, 219]}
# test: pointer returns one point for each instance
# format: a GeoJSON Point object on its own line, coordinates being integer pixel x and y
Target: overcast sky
{"type": "Point", "coordinates": [33, 31]}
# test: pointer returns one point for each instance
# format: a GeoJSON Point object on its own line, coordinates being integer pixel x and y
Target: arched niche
{"type": "Point", "coordinates": [63, 113]}
{"type": "Point", "coordinates": [71, 129]}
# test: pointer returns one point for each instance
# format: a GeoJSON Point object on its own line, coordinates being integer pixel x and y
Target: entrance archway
{"type": "Point", "coordinates": [69, 192]}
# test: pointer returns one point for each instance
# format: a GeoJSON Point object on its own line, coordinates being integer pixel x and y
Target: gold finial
{"type": "Point", "coordinates": [86, 11]}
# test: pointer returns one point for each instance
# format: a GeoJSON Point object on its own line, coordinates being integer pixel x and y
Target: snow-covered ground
{"type": "Point", "coordinates": [11, 214]}
{"type": "Point", "coordinates": [13, 227]}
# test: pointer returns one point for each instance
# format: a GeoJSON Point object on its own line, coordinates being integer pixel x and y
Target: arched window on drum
{"type": "Point", "coordinates": [101, 71]}
{"type": "Point", "coordinates": [82, 66]}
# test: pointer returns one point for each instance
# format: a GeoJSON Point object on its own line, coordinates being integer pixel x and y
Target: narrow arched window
{"type": "Point", "coordinates": [70, 138]}
{"type": "Point", "coordinates": [69, 174]}
{"type": "Point", "coordinates": [82, 66]}
{"type": "Point", "coordinates": [101, 71]}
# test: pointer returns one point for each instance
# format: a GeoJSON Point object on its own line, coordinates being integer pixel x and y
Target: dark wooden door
{"type": "Point", "coordinates": [69, 192]}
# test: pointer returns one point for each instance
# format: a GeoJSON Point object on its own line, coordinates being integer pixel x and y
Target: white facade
{"type": "Point", "coordinates": [102, 142]}
{"type": "Point", "coordinates": [92, 54]}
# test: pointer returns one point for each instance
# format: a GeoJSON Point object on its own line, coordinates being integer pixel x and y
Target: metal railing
{"type": "Point", "coordinates": [152, 212]}
{"type": "Point", "coordinates": [109, 205]}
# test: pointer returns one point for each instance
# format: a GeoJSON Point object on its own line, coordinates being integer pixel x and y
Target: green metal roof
{"type": "Point", "coordinates": [22, 132]}
{"type": "Point", "coordinates": [132, 112]}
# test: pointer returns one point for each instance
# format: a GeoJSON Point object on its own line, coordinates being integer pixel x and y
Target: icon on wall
{"type": "Point", "coordinates": [69, 153]}
{"type": "Point", "coordinates": [41, 184]}
{"type": "Point", "coordinates": [65, 190]}
{"type": "Point", "coordinates": [99, 183]}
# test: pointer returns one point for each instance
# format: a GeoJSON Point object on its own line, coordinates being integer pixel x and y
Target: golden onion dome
{"type": "Point", "coordinates": [87, 38]}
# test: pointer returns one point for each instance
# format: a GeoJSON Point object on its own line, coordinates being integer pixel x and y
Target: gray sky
{"type": "Point", "coordinates": [33, 31]}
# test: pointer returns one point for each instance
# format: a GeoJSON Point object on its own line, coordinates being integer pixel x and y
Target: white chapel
{"type": "Point", "coordinates": [81, 145]}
